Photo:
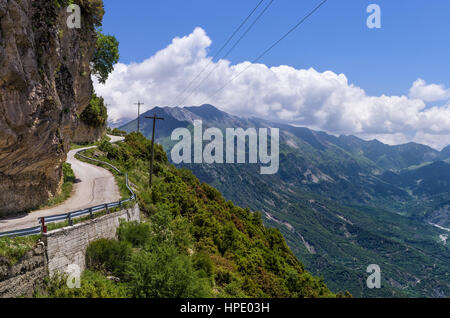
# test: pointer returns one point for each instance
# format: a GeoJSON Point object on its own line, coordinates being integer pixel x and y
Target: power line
{"type": "Point", "coordinates": [139, 115]}
{"type": "Point", "coordinates": [231, 49]}
{"type": "Point", "coordinates": [248, 29]}
{"type": "Point", "coordinates": [221, 49]}
{"type": "Point", "coordinates": [269, 49]}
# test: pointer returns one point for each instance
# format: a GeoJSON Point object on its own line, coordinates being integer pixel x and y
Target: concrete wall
{"type": "Point", "coordinates": [68, 246]}
{"type": "Point", "coordinates": [21, 279]}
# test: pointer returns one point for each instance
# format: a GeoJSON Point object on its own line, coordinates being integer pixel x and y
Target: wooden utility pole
{"type": "Point", "coordinates": [155, 118]}
{"type": "Point", "coordinates": [139, 115]}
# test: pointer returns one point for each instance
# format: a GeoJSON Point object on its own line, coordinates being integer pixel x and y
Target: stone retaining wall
{"type": "Point", "coordinates": [58, 250]}
{"type": "Point", "coordinates": [20, 279]}
{"type": "Point", "coordinates": [68, 245]}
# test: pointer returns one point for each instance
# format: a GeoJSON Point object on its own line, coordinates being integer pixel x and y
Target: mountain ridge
{"type": "Point", "coordinates": [341, 202]}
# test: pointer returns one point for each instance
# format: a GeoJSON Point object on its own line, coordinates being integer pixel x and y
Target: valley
{"type": "Point", "coordinates": [342, 203]}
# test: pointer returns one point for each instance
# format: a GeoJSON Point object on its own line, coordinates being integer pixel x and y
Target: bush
{"type": "Point", "coordinates": [93, 285]}
{"type": "Point", "coordinates": [138, 234]}
{"type": "Point", "coordinates": [202, 262]}
{"type": "Point", "coordinates": [164, 273]}
{"type": "Point", "coordinates": [95, 114]}
{"type": "Point", "coordinates": [109, 255]}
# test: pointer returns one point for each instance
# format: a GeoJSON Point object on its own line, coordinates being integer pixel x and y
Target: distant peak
{"type": "Point", "coordinates": [205, 107]}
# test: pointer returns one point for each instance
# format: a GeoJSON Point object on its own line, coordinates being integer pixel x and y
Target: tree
{"type": "Point", "coordinates": [105, 56]}
{"type": "Point", "coordinates": [96, 113]}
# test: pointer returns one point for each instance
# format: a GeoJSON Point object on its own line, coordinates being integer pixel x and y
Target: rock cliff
{"type": "Point", "coordinates": [45, 83]}
{"type": "Point", "coordinates": [85, 134]}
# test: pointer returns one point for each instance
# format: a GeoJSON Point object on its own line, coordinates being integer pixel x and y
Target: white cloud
{"type": "Point", "coordinates": [298, 96]}
{"type": "Point", "coordinates": [428, 93]}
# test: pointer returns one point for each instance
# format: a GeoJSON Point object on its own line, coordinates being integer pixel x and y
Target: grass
{"type": "Point", "coordinates": [79, 146]}
{"type": "Point", "coordinates": [66, 188]}
{"type": "Point", "coordinates": [92, 144]}
{"type": "Point", "coordinates": [14, 249]}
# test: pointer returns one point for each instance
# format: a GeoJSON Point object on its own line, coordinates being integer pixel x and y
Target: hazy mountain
{"type": "Point", "coordinates": [342, 203]}
{"type": "Point", "coordinates": [118, 123]}
{"type": "Point", "coordinates": [445, 153]}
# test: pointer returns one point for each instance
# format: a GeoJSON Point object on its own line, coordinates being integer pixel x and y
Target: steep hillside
{"type": "Point", "coordinates": [193, 243]}
{"type": "Point", "coordinates": [333, 204]}
{"type": "Point", "coordinates": [45, 83]}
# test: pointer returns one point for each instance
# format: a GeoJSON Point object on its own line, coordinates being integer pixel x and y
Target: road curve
{"type": "Point", "coordinates": [93, 186]}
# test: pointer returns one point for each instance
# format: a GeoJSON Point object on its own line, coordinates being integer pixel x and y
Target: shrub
{"type": "Point", "coordinates": [95, 114]}
{"type": "Point", "coordinates": [109, 255]}
{"type": "Point", "coordinates": [164, 273]}
{"type": "Point", "coordinates": [138, 234]}
{"type": "Point", "coordinates": [93, 285]}
{"type": "Point", "coordinates": [202, 262]}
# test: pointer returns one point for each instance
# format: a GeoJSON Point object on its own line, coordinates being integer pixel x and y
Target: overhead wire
{"type": "Point", "coordinates": [231, 49]}
{"type": "Point", "coordinates": [220, 50]}
{"type": "Point", "coordinates": [268, 49]}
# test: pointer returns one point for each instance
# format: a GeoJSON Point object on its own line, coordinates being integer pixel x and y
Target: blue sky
{"type": "Point", "coordinates": [332, 74]}
{"type": "Point", "coordinates": [414, 40]}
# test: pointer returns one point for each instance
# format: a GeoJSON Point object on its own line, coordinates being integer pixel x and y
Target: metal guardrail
{"type": "Point", "coordinates": [24, 232]}
{"type": "Point", "coordinates": [70, 216]}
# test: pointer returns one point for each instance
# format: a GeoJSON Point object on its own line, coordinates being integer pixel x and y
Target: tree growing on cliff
{"type": "Point", "coordinates": [96, 113]}
{"type": "Point", "coordinates": [105, 56]}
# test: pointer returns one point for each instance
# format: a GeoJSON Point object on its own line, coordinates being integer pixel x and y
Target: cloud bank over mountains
{"type": "Point", "coordinates": [304, 97]}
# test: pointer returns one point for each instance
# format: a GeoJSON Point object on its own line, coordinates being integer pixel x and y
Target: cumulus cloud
{"type": "Point", "coordinates": [324, 100]}
{"type": "Point", "coordinates": [428, 93]}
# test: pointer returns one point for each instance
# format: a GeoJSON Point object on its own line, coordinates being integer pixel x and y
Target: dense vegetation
{"type": "Point", "coordinates": [95, 114]}
{"type": "Point", "coordinates": [337, 206]}
{"type": "Point", "coordinates": [116, 132]}
{"type": "Point", "coordinates": [192, 243]}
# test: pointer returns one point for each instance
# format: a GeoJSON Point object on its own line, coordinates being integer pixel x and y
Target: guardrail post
{"type": "Point", "coordinates": [106, 209]}
{"type": "Point", "coordinates": [70, 219]}
{"type": "Point", "coordinates": [90, 213]}
{"type": "Point", "coordinates": [44, 227]}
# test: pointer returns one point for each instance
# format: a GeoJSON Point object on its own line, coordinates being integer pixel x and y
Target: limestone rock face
{"type": "Point", "coordinates": [85, 134]}
{"type": "Point", "coordinates": [45, 82]}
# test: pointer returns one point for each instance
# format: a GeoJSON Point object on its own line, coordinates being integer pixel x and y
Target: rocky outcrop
{"type": "Point", "coordinates": [22, 278]}
{"type": "Point", "coordinates": [85, 134]}
{"type": "Point", "coordinates": [45, 83]}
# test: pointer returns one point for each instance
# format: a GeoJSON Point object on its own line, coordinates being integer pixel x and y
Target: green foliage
{"type": "Point", "coordinates": [105, 56]}
{"type": "Point", "coordinates": [165, 273]}
{"type": "Point", "coordinates": [13, 249]}
{"type": "Point", "coordinates": [135, 233]}
{"type": "Point", "coordinates": [66, 188]}
{"type": "Point", "coordinates": [108, 255]}
{"type": "Point", "coordinates": [93, 285]}
{"type": "Point", "coordinates": [68, 173]}
{"type": "Point", "coordinates": [197, 244]}
{"type": "Point", "coordinates": [95, 114]}
{"type": "Point", "coordinates": [116, 132]}
{"type": "Point", "coordinates": [203, 262]}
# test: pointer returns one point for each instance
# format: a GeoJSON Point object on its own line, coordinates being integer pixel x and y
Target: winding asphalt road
{"type": "Point", "coordinates": [93, 186]}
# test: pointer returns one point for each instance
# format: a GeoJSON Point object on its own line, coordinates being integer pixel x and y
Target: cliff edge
{"type": "Point", "coordinates": [45, 84]}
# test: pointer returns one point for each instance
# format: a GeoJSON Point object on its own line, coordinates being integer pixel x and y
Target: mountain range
{"type": "Point", "coordinates": [342, 203]}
